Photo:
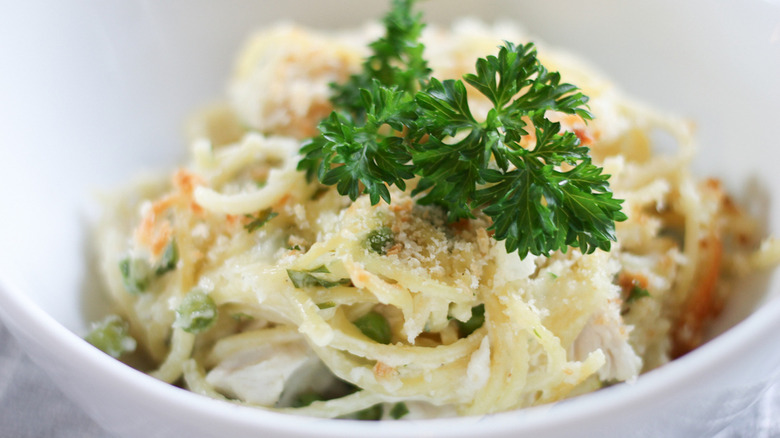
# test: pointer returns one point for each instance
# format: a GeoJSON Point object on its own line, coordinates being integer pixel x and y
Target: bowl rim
{"type": "Point", "coordinates": [20, 312]}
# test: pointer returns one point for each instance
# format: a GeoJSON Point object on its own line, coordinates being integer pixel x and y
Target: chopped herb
{"type": "Point", "coordinates": [379, 240]}
{"type": "Point", "coordinates": [326, 305]}
{"type": "Point", "coordinates": [242, 317]}
{"type": "Point", "coordinates": [610, 382]}
{"type": "Point", "coordinates": [374, 413]}
{"type": "Point", "coordinates": [399, 410]}
{"type": "Point", "coordinates": [136, 274]}
{"type": "Point", "coordinates": [196, 313]}
{"type": "Point", "coordinates": [169, 259]}
{"type": "Point", "coordinates": [541, 199]}
{"type": "Point", "coordinates": [305, 399]}
{"type": "Point", "coordinates": [375, 326]}
{"type": "Point", "coordinates": [475, 322]}
{"type": "Point", "coordinates": [636, 293]}
{"type": "Point", "coordinates": [111, 336]}
{"type": "Point", "coordinates": [261, 219]}
{"type": "Point", "coordinates": [396, 60]}
{"type": "Point", "coordinates": [301, 279]}
{"type": "Point", "coordinates": [553, 275]}
{"type": "Point", "coordinates": [319, 192]}
{"type": "Point", "coordinates": [537, 334]}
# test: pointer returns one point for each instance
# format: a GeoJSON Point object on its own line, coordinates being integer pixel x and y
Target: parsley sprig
{"type": "Point", "coordinates": [393, 123]}
{"type": "Point", "coordinates": [396, 60]}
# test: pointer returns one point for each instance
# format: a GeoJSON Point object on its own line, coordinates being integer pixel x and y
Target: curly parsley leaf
{"type": "Point", "coordinates": [393, 123]}
{"type": "Point", "coordinates": [450, 169]}
{"type": "Point", "coordinates": [365, 158]}
{"type": "Point", "coordinates": [396, 60]}
{"type": "Point", "coordinates": [536, 205]}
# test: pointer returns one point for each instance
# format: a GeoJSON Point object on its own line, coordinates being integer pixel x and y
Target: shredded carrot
{"type": "Point", "coordinates": [461, 225]}
{"type": "Point", "coordinates": [584, 135]}
{"type": "Point", "coordinates": [161, 238]}
{"type": "Point", "coordinates": [383, 371]}
{"type": "Point", "coordinates": [395, 249]}
{"type": "Point", "coordinates": [186, 181]}
{"type": "Point", "coordinates": [627, 281]}
{"type": "Point", "coordinates": [283, 201]}
{"type": "Point", "coordinates": [404, 206]}
{"type": "Point", "coordinates": [701, 305]}
{"type": "Point", "coordinates": [159, 206]}
{"type": "Point", "coordinates": [155, 230]}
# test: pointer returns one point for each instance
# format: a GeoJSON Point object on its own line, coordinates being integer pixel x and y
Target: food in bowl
{"type": "Point", "coordinates": [408, 244]}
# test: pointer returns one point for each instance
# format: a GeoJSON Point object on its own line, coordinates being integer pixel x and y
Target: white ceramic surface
{"type": "Point", "coordinates": [93, 91]}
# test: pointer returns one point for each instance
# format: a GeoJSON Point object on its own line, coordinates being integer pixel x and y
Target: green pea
{"type": "Point", "coordinates": [196, 313]}
{"type": "Point", "coordinates": [111, 336]}
{"type": "Point", "coordinates": [136, 274]}
{"type": "Point", "coordinates": [380, 240]}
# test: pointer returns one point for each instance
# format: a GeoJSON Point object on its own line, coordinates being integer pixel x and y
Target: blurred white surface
{"type": "Point", "coordinates": [31, 405]}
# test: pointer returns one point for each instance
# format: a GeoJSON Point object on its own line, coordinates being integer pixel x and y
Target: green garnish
{"type": "Point", "coordinates": [111, 336]}
{"type": "Point", "coordinates": [375, 326]}
{"type": "Point", "coordinates": [319, 193]}
{"type": "Point", "coordinates": [399, 410]}
{"type": "Point", "coordinates": [374, 413]}
{"type": "Point", "coordinates": [136, 274]}
{"type": "Point", "coordinates": [393, 123]}
{"type": "Point", "coordinates": [636, 293]}
{"type": "Point", "coordinates": [326, 305]}
{"type": "Point", "coordinates": [476, 321]}
{"type": "Point", "coordinates": [261, 219]}
{"type": "Point", "coordinates": [169, 259]}
{"type": "Point", "coordinates": [396, 60]}
{"type": "Point", "coordinates": [380, 239]}
{"type": "Point", "coordinates": [301, 279]}
{"type": "Point", "coordinates": [242, 317]}
{"type": "Point", "coordinates": [196, 313]}
{"type": "Point", "coordinates": [305, 399]}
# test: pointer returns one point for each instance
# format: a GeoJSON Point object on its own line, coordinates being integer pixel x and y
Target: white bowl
{"type": "Point", "coordinates": [93, 91]}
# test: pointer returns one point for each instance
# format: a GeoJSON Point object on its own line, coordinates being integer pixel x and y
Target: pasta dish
{"type": "Point", "coordinates": [244, 277]}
